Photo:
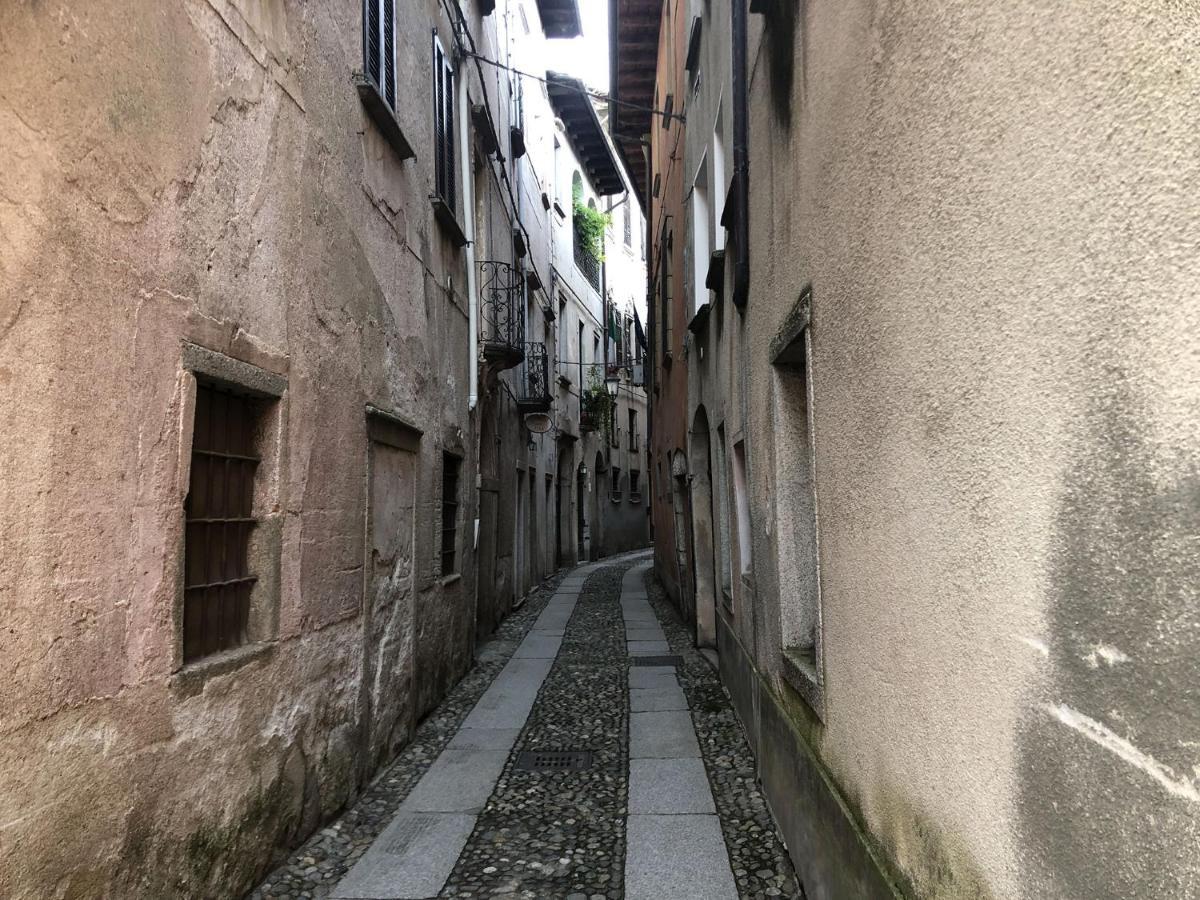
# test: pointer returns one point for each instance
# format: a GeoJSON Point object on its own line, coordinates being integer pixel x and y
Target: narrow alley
{"type": "Point", "coordinates": [590, 754]}
{"type": "Point", "coordinates": [599, 450]}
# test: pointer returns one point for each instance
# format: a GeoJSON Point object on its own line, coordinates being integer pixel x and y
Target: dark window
{"type": "Point", "coordinates": [635, 487]}
{"type": "Point", "coordinates": [633, 433]}
{"type": "Point", "coordinates": [379, 46]}
{"type": "Point", "coordinates": [666, 261]}
{"type": "Point", "coordinates": [450, 466]}
{"type": "Point", "coordinates": [443, 124]}
{"type": "Point", "coordinates": [616, 483]}
{"type": "Point", "coordinates": [219, 520]}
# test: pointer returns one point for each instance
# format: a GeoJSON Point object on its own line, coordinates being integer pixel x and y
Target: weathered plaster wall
{"type": "Point", "coordinates": [995, 206]}
{"type": "Point", "coordinates": [204, 171]}
{"type": "Point", "coordinates": [668, 401]}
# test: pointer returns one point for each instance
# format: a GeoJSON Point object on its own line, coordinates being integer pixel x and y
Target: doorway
{"type": "Point", "coordinates": [703, 554]}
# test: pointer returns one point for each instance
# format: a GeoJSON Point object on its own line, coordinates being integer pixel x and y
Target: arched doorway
{"type": "Point", "coordinates": [702, 531]}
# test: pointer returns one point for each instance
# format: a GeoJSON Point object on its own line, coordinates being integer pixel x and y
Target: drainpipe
{"type": "Point", "coordinates": [464, 137]}
{"type": "Point", "coordinates": [741, 162]}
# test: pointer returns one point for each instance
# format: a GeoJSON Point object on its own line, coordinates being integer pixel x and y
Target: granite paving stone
{"type": "Point", "coordinates": [669, 787]}
{"type": "Point", "coordinates": [662, 734]}
{"type": "Point", "coordinates": [653, 677]}
{"type": "Point", "coordinates": [649, 646]}
{"type": "Point", "coordinates": [645, 634]}
{"type": "Point", "coordinates": [657, 698]}
{"type": "Point", "coordinates": [539, 645]}
{"type": "Point", "coordinates": [411, 859]}
{"type": "Point", "coordinates": [458, 781]}
{"type": "Point", "coordinates": [677, 858]}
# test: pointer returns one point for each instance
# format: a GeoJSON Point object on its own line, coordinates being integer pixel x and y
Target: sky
{"type": "Point", "coordinates": [585, 57]}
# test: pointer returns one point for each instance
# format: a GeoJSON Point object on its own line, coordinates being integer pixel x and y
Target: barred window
{"type": "Point", "coordinates": [219, 519]}
{"type": "Point", "coordinates": [450, 466]}
{"type": "Point", "coordinates": [443, 124]}
{"type": "Point", "coordinates": [379, 47]}
{"type": "Point", "coordinates": [616, 484]}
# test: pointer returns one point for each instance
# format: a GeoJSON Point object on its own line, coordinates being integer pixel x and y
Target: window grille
{"type": "Point", "coordinates": [635, 486]}
{"type": "Point", "coordinates": [666, 262]}
{"type": "Point", "coordinates": [219, 520]}
{"type": "Point", "coordinates": [450, 466]}
{"type": "Point", "coordinates": [616, 484]}
{"type": "Point", "coordinates": [379, 46]}
{"type": "Point", "coordinates": [443, 125]}
{"type": "Point", "coordinates": [633, 433]}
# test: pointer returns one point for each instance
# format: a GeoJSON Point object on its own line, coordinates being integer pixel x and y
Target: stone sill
{"type": "Point", "coordinates": [449, 222]}
{"type": "Point", "coordinates": [800, 673]}
{"type": "Point", "coordinates": [700, 319]}
{"type": "Point", "coordinates": [382, 115]}
{"type": "Point", "coordinates": [192, 676]}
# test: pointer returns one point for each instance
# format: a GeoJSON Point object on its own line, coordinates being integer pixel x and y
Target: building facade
{"type": "Point", "coordinates": [273, 289]}
{"type": "Point", "coordinates": [940, 430]}
{"type": "Point", "coordinates": [644, 77]}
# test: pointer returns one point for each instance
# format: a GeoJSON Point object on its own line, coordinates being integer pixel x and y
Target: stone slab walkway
{"type": "Point", "coordinates": [650, 811]}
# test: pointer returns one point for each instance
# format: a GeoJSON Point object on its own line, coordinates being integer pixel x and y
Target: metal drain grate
{"type": "Point", "coordinates": [656, 660]}
{"type": "Point", "coordinates": [554, 760]}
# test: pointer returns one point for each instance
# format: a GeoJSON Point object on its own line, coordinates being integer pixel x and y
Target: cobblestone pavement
{"type": "Point", "coordinates": [560, 834]}
{"type": "Point", "coordinates": [760, 861]}
{"type": "Point", "coordinates": [554, 833]}
{"type": "Point", "coordinates": [312, 871]}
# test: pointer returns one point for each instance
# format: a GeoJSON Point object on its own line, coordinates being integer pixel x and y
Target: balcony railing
{"type": "Point", "coordinates": [534, 394]}
{"type": "Point", "coordinates": [587, 263]}
{"type": "Point", "coordinates": [589, 421]}
{"type": "Point", "coordinates": [502, 310]}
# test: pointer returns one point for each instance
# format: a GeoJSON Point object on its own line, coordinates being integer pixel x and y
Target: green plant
{"type": "Point", "coordinates": [590, 225]}
{"type": "Point", "coordinates": [595, 400]}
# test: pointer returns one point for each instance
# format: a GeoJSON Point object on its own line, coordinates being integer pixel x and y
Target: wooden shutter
{"type": "Point", "coordinates": [443, 117]}
{"type": "Point", "coordinates": [371, 48]}
{"type": "Point", "coordinates": [388, 65]}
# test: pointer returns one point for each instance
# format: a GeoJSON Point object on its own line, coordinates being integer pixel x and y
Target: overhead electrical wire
{"type": "Point", "coordinates": [599, 95]}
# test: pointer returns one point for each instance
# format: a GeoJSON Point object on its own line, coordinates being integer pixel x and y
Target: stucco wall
{"type": "Point", "coordinates": [995, 205]}
{"type": "Point", "coordinates": [668, 401]}
{"type": "Point", "coordinates": [204, 172]}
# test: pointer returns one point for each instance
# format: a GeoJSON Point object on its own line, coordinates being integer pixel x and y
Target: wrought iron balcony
{"type": "Point", "coordinates": [589, 421]}
{"type": "Point", "coordinates": [502, 310]}
{"type": "Point", "coordinates": [534, 394]}
{"type": "Point", "coordinates": [585, 260]}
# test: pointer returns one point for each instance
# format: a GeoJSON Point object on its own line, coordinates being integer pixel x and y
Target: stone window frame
{"type": "Point", "coordinates": [791, 349]}
{"type": "Point", "coordinates": [202, 365]}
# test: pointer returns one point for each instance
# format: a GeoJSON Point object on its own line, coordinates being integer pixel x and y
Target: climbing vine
{"type": "Point", "coordinates": [590, 225]}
